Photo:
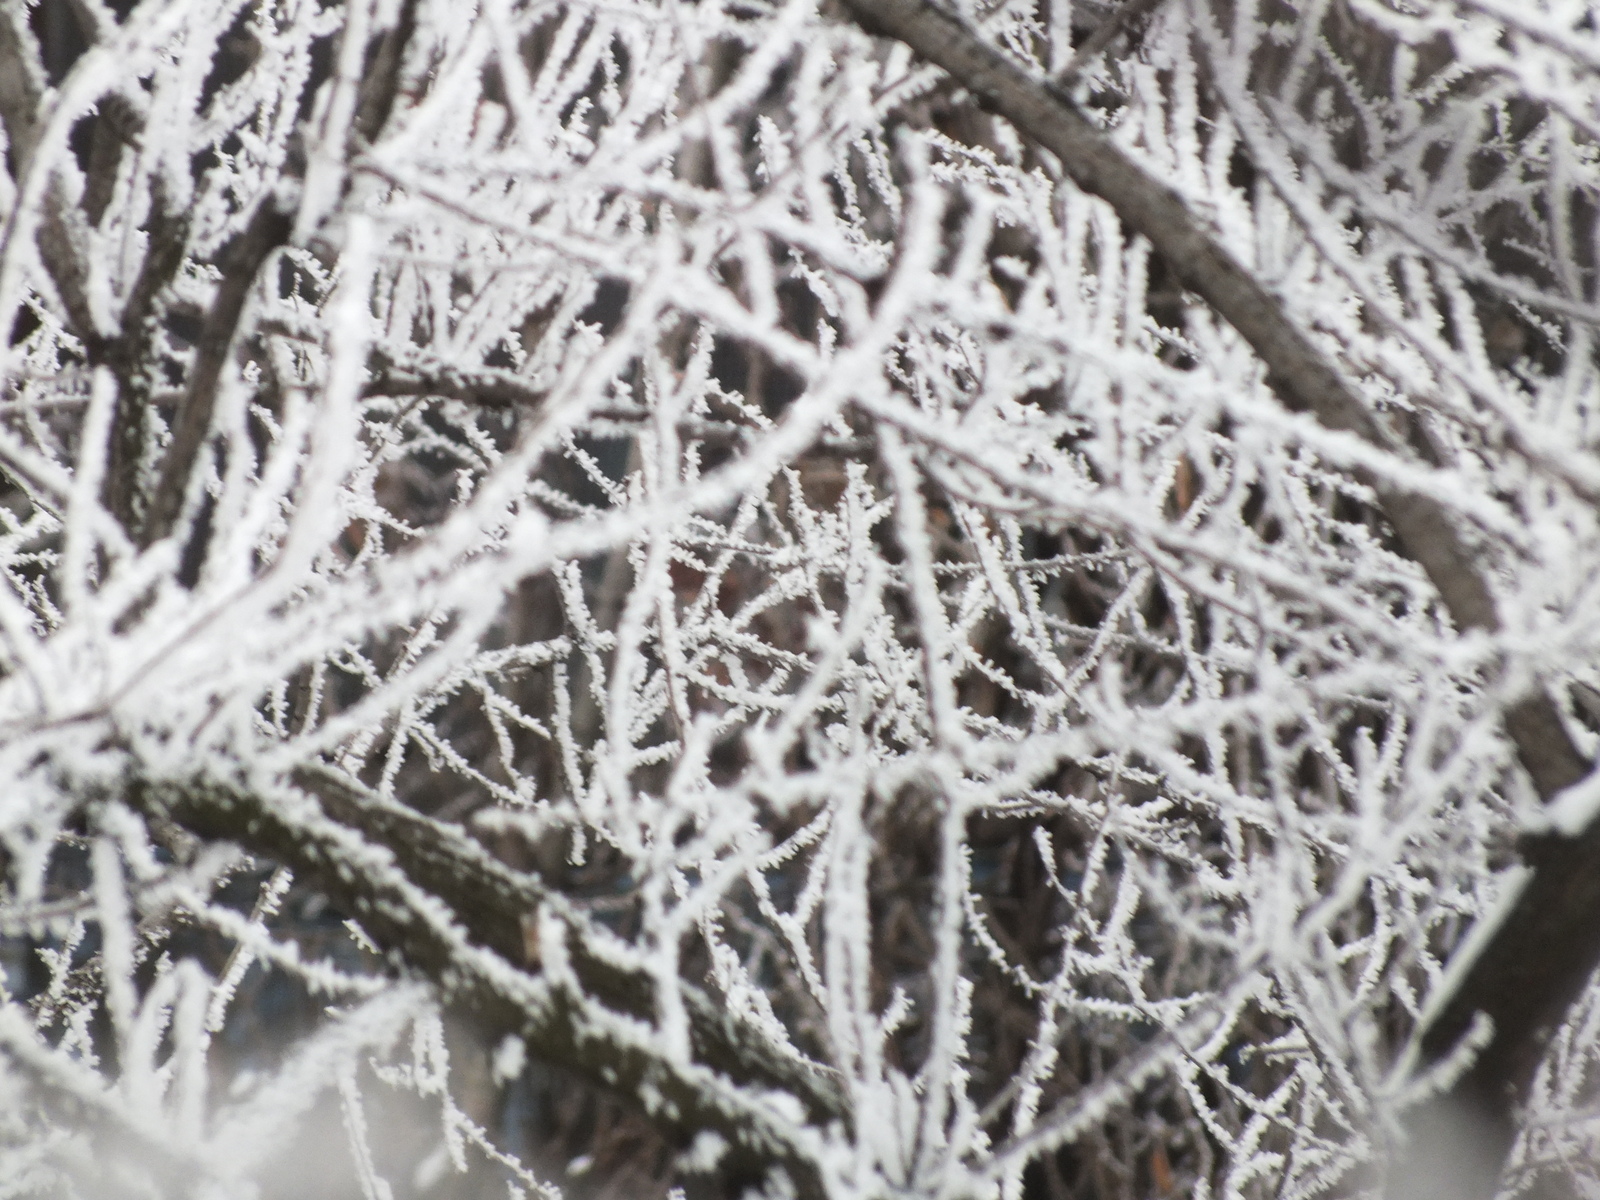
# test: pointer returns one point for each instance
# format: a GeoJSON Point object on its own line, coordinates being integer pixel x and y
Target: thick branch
{"type": "Point", "coordinates": [492, 902]}
{"type": "Point", "coordinates": [130, 354]}
{"type": "Point", "coordinates": [239, 263]}
{"type": "Point", "coordinates": [1531, 968]}
{"type": "Point", "coordinates": [22, 85]}
{"type": "Point", "coordinates": [61, 225]}
{"type": "Point", "coordinates": [427, 894]}
{"type": "Point", "coordinates": [241, 260]}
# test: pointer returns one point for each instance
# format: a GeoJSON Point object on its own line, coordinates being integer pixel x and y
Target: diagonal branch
{"type": "Point", "coordinates": [493, 902]}
{"type": "Point", "coordinates": [1530, 969]}
{"type": "Point", "coordinates": [60, 241]}
{"type": "Point", "coordinates": [240, 261]}
{"type": "Point", "coordinates": [433, 898]}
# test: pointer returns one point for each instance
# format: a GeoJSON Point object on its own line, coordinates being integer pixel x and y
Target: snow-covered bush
{"type": "Point", "coordinates": [829, 600]}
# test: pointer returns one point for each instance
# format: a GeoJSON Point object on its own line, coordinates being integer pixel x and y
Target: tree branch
{"type": "Point", "coordinates": [492, 902]}
{"type": "Point", "coordinates": [430, 896]}
{"type": "Point", "coordinates": [1531, 968]}
{"type": "Point", "coordinates": [59, 235]}
{"type": "Point", "coordinates": [419, 374]}
{"type": "Point", "coordinates": [240, 262]}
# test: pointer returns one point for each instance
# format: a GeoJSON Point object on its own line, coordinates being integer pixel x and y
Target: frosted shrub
{"type": "Point", "coordinates": [829, 601]}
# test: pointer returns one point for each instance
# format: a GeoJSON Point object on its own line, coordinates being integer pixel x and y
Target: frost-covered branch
{"type": "Point", "coordinates": [605, 597]}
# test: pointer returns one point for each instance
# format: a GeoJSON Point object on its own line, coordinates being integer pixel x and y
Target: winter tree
{"type": "Point", "coordinates": [888, 598]}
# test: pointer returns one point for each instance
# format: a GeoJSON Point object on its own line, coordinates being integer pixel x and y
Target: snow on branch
{"type": "Point", "coordinates": [973, 600]}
